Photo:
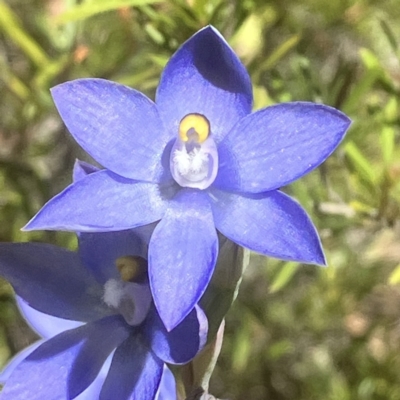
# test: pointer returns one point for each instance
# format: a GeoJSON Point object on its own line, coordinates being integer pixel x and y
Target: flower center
{"type": "Point", "coordinates": [194, 155]}
{"type": "Point", "coordinates": [131, 294]}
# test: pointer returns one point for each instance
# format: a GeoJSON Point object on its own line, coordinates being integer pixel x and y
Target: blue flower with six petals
{"type": "Point", "coordinates": [197, 160]}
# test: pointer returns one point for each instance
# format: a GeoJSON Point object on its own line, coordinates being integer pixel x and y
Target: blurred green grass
{"type": "Point", "coordinates": [295, 331]}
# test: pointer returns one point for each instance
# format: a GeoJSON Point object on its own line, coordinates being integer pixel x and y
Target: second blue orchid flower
{"type": "Point", "coordinates": [105, 338]}
{"type": "Point", "coordinates": [196, 160]}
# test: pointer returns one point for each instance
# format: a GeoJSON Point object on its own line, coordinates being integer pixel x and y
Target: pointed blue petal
{"type": "Point", "coordinates": [52, 280]}
{"type": "Point", "coordinates": [45, 325]}
{"type": "Point", "coordinates": [181, 344]}
{"type": "Point", "coordinates": [277, 145]}
{"type": "Point", "coordinates": [135, 372]}
{"type": "Point", "coordinates": [182, 255]}
{"type": "Point", "coordinates": [100, 250]}
{"type": "Point", "coordinates": [64, 366]}
{"type": "Point", "coordinates": [269, 223]}
{"type": "Point", "coordinates": [101, 201]}
{"type": "Point", "coordinates": [204, 76]}
{"type": "Point", "coordinates": [118, 126]}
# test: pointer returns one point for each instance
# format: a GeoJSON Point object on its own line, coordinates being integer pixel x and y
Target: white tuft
{"type": "Point", "coordinates": [113, 292]}
{"type": "Point", "coordinates": [182, 160]}
{"type": "Point", "coordinates": [199, 160]}
{"type": "Point", "coordinates": [189, 164]}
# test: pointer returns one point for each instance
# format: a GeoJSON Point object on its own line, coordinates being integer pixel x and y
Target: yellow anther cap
{"type": "Point", "coordinates": [131, 268]}
{"type": "Point", "coordinates": [194, 127]}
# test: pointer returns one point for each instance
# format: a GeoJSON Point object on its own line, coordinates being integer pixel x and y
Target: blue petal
{"type": "Point", "coordinates": [16, 360]}
{"type": "Point", "coordinates": [99, 251]}
{"type": "Point", "coordinates": [52, 280]}
{"type": "Point", "coordinates": [181, 344]}
{"type": "Point", "coordinates": [277, 145]}
{"type": "Point", "coordinates": [118, 126]}
{"type": "Point", "coordinates": [81, 169]}
{"type": "Point", "coordinates": [102, 201]}
{"type": "Point", "coordinates": [45, 325]}
{"type": "Point", "coordinates": [67, 364]}
{"type": "Point", "coordinates": [167, 388]}
{"type": "Point", "coordinates": [135, 373]}
{"type": "Point", "coordinates": [270, 223]}
{"type": "Point", "coordinates": [182, 255]}
{"type": "Point", "coordinates": [204, 76]}
{"type": "Point", "coordinates": [92, 392]}
{"type": "Point", "coordinates": [103, 337]}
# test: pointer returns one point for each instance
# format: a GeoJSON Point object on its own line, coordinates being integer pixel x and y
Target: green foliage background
{"type": "Point", "coordinates": [295, 332]}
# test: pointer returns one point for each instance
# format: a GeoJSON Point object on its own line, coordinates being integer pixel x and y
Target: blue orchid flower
{"type": "Point", "coordinates": [105, 338]}
{"type": "Point", "coordinates": [197, 160]}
